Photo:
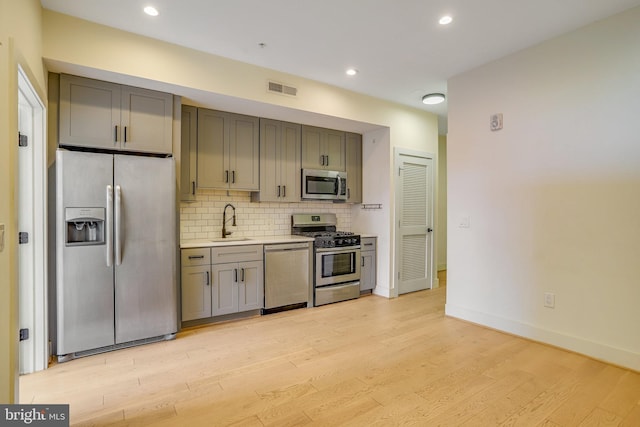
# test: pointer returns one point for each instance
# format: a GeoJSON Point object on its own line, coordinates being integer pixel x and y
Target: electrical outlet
{"type": "Point", "coordinates": [549, 300]}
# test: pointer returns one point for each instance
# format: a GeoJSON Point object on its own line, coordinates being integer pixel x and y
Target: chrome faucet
{"type": "Point", "coordinates": [225, 233]}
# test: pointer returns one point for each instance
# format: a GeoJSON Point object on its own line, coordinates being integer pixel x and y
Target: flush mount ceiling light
{"type": "Point", "coordinates": [445, 20]}
{"type": "Point", "coordinates": [351, 72]}
{"type": "Point", "coordinates": [151, 11]}
{"type": "Point", "coordinates": [433, 98]}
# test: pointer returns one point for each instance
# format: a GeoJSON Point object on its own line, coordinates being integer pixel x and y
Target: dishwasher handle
{"type": "Point", "coordinates": [286, 247]}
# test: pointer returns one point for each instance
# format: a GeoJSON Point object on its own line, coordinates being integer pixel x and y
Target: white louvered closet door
{"type": "Point", "coordinates": [414, 223]}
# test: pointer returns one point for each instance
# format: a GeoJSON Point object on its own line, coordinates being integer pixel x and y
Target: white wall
{"type": "Point", "coordinates": [554, 197]}
{"type": "Point", "coordinates": [376, 190]}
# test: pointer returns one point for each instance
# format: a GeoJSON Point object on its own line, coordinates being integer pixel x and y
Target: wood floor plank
{"type": "Point", "coordinates": [600, 418]}
{"type": "Point", "coordinates": [625, 396]}
{"type": "Point", "coordinates": [370, 361]}
{"type": "Point", "coordinates": [586, 400]}
{"type": "Point", "coordinates": [632, 418]}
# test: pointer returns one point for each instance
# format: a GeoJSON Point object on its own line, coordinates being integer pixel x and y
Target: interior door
{"type": "Point", "coordinates": [145, 282]}
{"type": "Point", "coordinates": [414, 205]}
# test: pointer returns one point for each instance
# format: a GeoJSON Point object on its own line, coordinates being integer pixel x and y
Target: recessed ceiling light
{"type": "Point", "coordinates": [151, 11]}
{"type": "Point", "coordinates": [433, 98]}
{"type": "Point", "coordinates": [352, 72]}
{"type": "Point", "coordinates": [445, 20]}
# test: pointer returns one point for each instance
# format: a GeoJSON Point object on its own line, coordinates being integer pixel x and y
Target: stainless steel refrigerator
{"type": "Point", "coordinates": [115, 251]}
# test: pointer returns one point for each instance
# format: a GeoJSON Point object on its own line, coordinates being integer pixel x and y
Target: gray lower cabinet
{"type": "Point", "coordinates": [237, 287]}
{"type": "Point", "coordinates": [237, 279]}
{"type": "Point", "coordinates": [196, 283]}
{"type": "Point", "coordinates": [368, 266]}
{"type": "Point", "coordinates": [221, 280]}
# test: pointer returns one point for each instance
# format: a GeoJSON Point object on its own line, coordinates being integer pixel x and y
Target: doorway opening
{"type": "Point", "coordinates": [32, 217]}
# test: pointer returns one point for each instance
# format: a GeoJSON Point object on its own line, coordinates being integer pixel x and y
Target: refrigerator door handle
{"type": "Point", "coordinates": [109, 226]}
{"type": "Point", "coordinates": [118, 225]}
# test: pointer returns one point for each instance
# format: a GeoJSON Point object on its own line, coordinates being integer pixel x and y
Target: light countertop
{"type": "Point", "coordinates": [238, 241]}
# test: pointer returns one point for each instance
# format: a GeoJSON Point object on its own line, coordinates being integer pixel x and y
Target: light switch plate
{"type": "Point", "coordinates": [495, 121]}
{"type": "Point", "coordinates": [464, 221]}
{"type": "Point", "coordinates": [1, 237]}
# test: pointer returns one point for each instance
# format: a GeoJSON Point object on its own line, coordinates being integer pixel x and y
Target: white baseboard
{"type": "Point", "coordinates": [592, 349]}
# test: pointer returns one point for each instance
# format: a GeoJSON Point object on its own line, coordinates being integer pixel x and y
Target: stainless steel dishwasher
{"type": "Point", "coordinates": [287, 276]}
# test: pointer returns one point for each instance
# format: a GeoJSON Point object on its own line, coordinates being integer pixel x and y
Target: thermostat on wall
{"type": "Point", "coordinates": [495, 121]}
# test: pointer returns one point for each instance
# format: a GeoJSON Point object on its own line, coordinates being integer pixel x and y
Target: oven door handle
{"type": "Point", "coordinates": [338, 249]}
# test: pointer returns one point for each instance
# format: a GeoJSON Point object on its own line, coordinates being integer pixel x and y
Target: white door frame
{"type": "Point", "coordinates": [32, 215]}
{"type": "Point", "coordinates": [398, 153]}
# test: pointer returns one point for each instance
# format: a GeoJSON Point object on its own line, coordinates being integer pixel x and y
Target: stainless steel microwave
{"type": "Point", "coordinates": [320, 184]}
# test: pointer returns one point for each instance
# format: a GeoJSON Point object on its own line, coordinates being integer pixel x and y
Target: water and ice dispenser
{"type": "Point", "coordinates": [85, 226]}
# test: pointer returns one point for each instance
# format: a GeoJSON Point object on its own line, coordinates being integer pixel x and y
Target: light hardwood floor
{"type": "Point", "coordinates": [365, 362]}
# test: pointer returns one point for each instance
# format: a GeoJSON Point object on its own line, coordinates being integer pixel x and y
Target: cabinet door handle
{"type": "Point", "coordinates": [125, 134]}
{"type": "Point", "coordinates": [284, 191]}
{"type": "Point", "coordinates": [116, 134]}
{"type": "Point", "coordinates": [226, 176]}
{"type": "Point", "coordinates": [242, 280]}
{"type": "Point", "coordinates": [362, 263]}
{"type": "Point", "coordinates": [278, 191]}
{"type": "Point", "coordinates": [208, 282]}
{"type": "Point", "coordinates": [327, 156]}
{"type": "Point", "coordinates": [368, 244]}
{"type": "Point", "coordinates": [348, 193]}
{"type": "Point", "coordinates": [196, 256]}
{"type": "Point", "coordinates": [233, 177]}
{"type": "Point", "coordinates": [193, 188]}
{"type": "Point", "coordinates": [235, 275]}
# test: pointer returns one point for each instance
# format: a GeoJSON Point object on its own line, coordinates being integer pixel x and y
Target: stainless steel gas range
{"type": "Point", "coordinates": [336, 257]}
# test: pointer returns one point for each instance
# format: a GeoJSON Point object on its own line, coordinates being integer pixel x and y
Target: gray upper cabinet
{"type": "Point", "coordinates": [323, 149]}
{"type": "Point", "coordinates": [105, 115]}
{"type": "Point", "coordinates": [354, 167]}
{"type": "Point", "coordinates": [279, 162]}
{"type": "Point", "coordinates": [228, 153]}
{"type": "Point", "coordinates": [188, 154]}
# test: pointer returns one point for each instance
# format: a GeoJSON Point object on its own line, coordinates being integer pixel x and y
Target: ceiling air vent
{"type": "Point", "coordinates": [282, 89]}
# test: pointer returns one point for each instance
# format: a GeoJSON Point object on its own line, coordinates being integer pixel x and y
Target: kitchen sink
{"type": "Point", "coordinates": [230, 239]}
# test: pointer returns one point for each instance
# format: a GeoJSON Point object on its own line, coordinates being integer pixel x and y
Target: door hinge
{"type": "Point", "coordinates": [23, 237]}
{"type": "Point", "coordinates": [23, 140]}
{"type": "Point", "coordinates": [24, 334]}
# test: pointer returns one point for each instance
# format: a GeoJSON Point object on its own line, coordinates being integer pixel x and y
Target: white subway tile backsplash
{"type": "Point", "coordinates": [202, 219]}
